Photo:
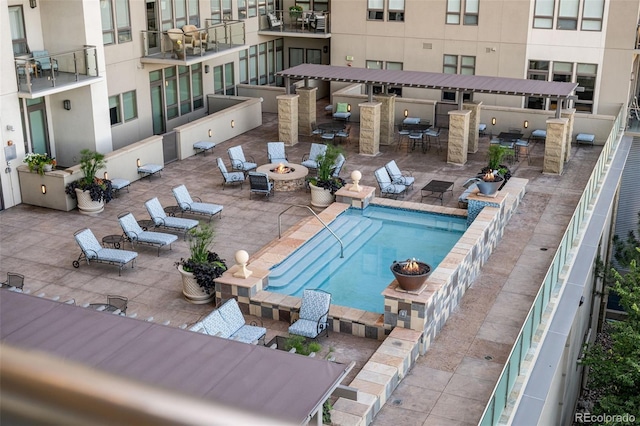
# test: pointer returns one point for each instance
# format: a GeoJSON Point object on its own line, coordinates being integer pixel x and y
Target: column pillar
{"type": "Point", "coordinates": [458, 145]}
{"type": "Point", "coordinates": [288, 119]}
{"type": "Point", "coordinates": [370, 128]}
{"type": "Point", "coordinates": [569, 114]}
{"type": "Point", "coordinates": [387, 112]}
{"type": "Point", "coordinates": [306, 109]}
{"type": "Point", "coordinates": [554, 146]}
{"type": "Point", "coordinates": [474, 123]}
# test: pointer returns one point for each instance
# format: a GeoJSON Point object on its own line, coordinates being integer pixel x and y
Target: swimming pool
{"type": "Point", "coordinates": [373, 238]}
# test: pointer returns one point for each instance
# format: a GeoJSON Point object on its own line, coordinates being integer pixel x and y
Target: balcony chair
{"type": "Point", "coordinates": [276, 153]}
{"type": "Point", "coordinates": [314, 314]}
{"type": "Point", "coordinates": [399, 177]}
{"type": "Point", "coordinates": [310, 160]}
{"type": "Point", "coordinates": [194, 38]}
{"type": "Point", "coordinates": [238, 160]}
{"type": "Point", "coordinates": [229, 177]}
{"type": "Point", "coordinates": [387, 187]}
{"type": "Point", "coordinates": [160, 218]}
{"type": "Point", "coordinates": [13, 280]}
{"type": "Point", "coordinates": [92, 251]}
{"type": "Point", "coordinates": [260, 184]}
{"type": "Point", "coordinates": [135, 234]}
{"type": "Point", "coordinates": [45, 62]}
{"type": "Point", "coordinates": [188, 205]}
{"type": "Point", "coordinates": [274, 22]}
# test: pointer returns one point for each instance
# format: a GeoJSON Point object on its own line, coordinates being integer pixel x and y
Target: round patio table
{"type": "Point", "coordinates": [332, 126]}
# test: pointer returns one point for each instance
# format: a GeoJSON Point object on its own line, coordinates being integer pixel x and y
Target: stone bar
{"type": "Point", "coordinates": [370, 128]}
{"type": "Point", "coordinates": [458, 136]}
{"type": "Point", "coordinates": [570, 115]}
{"type": "Point", "coordinates": [306, 109]}
{"type": "Point", "coordinates": [474, 123]}
{"type": "Point", "coordinates": [387, 113]}
{"type": "Point", "coordinates": [288, 119]}
{"type": "Point", "coordinates": [555, 145]}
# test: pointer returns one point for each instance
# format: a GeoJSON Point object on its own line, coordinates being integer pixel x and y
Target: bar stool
{"type": "Point", "coordinates": [522, 150]}
{"type": "Point", "coordinates": [417, 138]}
{"type": "Point", "coordinates": [403, 135]}
{"type": "Point", "coordinates": [328, 137]}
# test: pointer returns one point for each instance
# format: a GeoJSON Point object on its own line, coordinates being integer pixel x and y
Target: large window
{"type": "Point", "coordinates": [455, 9]}
{"type": "Point", "coordinates": [182, 93]}
{"type": "Point", "coordinates": [223, 79]}
{"type": "Point", "coordinates": [586, 78]}
{"type": "Point", "coordinates": [18, 34]}
{"type": "Point", "coordinates": [388, 65]}
{"type": "Point", "coordinates": [123, 107]}
{"type": "Point", "coordinates": [394, 9]}
{"type": "Point", "coordinates": [567, 13]}
{"type": "Point", "coordinates": [375, 10]}
{"type": "Point", "coordinates": [454, 64]}
{"type": "Point", "coordinates": [259, 63]}
{"type": "Point", "coordinates": [592, 15]}
{"type": "Point", "coordinates": [583, 74]}
{"type": "Point", "coordinates": [220, 10]}
{"type": "Point", "coordinates": [317, 5]}
{"type": "Point", "coordinates": [116, 30]}
{"type": "Point", "coordinates": [543, 14]}
{"type": "Point", "coordinates": [178, 13]}
{"type": "Point", "coordinates": [538, 70]}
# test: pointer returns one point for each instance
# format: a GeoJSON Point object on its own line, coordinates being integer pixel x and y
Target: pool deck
{"type": "Point", "coordinates": [449, 385]}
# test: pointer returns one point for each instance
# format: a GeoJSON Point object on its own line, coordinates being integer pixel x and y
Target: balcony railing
{"type": "Point", "coordinates": [176, 44]}
{"type": "Point", "coordinates": [306, 22]}
{"type": "Point", "coordinates": [41, 70]}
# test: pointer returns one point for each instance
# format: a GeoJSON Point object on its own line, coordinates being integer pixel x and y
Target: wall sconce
{"type": "Point", "coordinates": [32, 4]}
{"type": "Point", "coordinates": [66, 104]}
{"type": "Point", "coordinates": [493, 121]}
{"type": "Point", "coordinates": [106, 176]}
{"type": "Point", "coordinates": [206, 69]}
{"type": "Point", "coordinates": [233, 124]}
{"type": "Point", "coordinates": [325, 49]}
{"type": "Point", "coordinates": [348, 107]}
{"type": "Point", "coordinates": [10, 128]}
{"type": "Point", "coordinates": [210, 133]}
{"type": "Point", "coordinates": [402, 314]}
{"type": "Point", "coordinates": [43, 188]}
{"type": "Point", "coordinates": [406, 113]}
{"type": "Point", "coordinates": [138, 163]}
{"type": "Point", "coordinates": [526, 124]}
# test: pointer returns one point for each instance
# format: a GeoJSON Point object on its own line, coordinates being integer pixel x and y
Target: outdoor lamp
{"type": "Point", "coordinates": [66, 104]}
{"type": "Point", "coordinates": [106, 176]}
{"type": "Point", "coordinates": [493, 121]}
{"type": "Point", "coordinates": [526, 124]}
{"type": "Point", "coordinates": [406, 113]}
{"type": "Point", "coordinates": [33, 4]}
{"type": "Point", "coordinates": [138, 162]}
{"type": "Point", "coordinates": [233, 124]}
{"type": "Point", "coordinates": [210, 133]}
{"type": "Point", "coordinates": [348, 107]}
{"type": "Point", "coordinates": [43, 188]}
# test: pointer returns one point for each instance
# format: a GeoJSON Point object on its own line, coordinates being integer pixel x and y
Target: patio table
{"type": "Point", "coordinates": [333, 126]}
{"type": "Point", "coordinates": [436, 189]}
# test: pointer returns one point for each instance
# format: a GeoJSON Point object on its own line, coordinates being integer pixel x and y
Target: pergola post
{"type": "Point", "coordinates": [370, 128]}
{"type": "Point", "coordinates": [306, 109]}
{"type": "Point", "coordinates": [458, 145]}
{"type": "Point", "coordinates": [288, 119]}
{"type": "Point", "coordinates": [387, 112]}
{"type": "Point", "coordinates": [474, 124]}
{"type": "Point", "coordinates": [555, 145]}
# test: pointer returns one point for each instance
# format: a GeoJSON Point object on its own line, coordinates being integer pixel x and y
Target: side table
{"type": "Point", "coordinates": [436, 189]}
{"type": "Point", "coordinates": [113, 240]}
{"type": "Point", "coordinates": [172, 210]}
{"type": "Point", "coordinates": [145, 224]}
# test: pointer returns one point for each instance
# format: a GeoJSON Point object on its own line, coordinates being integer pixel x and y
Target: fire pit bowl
{"type": "Point", "coordinates": [410, 274]}
{"type": "Point", "coordinates": [490, 183]}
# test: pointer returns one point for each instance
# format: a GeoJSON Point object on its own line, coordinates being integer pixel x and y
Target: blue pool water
{"type": "Point", "coordinates": [373, 238]}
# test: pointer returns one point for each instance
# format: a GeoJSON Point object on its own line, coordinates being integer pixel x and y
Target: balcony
{"type": "Point", "coordinates": [178, 47]}
{"type": "Point", "coordinates": [42, 74]}
{"type": "Point", "coordinates": [305, 24]}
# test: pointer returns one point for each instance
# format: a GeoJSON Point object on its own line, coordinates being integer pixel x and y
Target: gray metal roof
{"type": "Point", "coordinates": [430, 80]}
{"type": "Point", "coordinates": [274, 383]}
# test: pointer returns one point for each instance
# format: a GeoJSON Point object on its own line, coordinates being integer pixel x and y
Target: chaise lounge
{"type": "Point", "coordinates": [92, 251]}
{"type": "Point", "coordinates": [188, 205]}
{"type": "Point", "coordinates": [228, 322]}
{"type": "Point", "coordinates": [135, 234]}
{"type": "Point", "coordinates": [160, 218]}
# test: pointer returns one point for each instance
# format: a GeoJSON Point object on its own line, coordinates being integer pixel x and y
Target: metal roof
{"type": "Point", "coordinates": [254, 378]}
{"type": "Point", "coordinates": [430, 80]}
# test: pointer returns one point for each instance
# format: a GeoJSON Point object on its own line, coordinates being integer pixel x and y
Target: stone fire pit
{"type": "Point", "coordinates": [291, 179]}
{"type": "Point", "coordinates": [410, 274]}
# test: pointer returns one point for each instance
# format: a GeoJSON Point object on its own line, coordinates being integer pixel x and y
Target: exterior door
{"type": "Point", "coordinates": [38, 130]}
{"type": "Point", "coordinates": [157, 108]}
{"type": "Point", "coordinates": [153, 36]}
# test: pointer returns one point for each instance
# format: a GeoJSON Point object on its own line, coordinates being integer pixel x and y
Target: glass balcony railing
{"type": "Point", "coordinates": [41, 70]}
{"type": "Point", "coordinates": [308, 22]}
{"type": "Point", "coordinates": [194, 42]}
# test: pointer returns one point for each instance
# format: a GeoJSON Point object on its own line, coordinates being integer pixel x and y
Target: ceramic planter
{"type": "Point", "coordinates": [86, 205]}
{"type": "Point", "coordinates": [320, 197]}
{"type": "Point", "coordinates": [192, 291]}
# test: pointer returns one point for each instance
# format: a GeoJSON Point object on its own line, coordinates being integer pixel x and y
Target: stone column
{"type": "Point", "coordinates": [554, 146]}
{"type": "Point", "coordinates": [288, 119]}
{"type": "Point", "coordinates": [306, 109]}
{"type": "Point", "coordinates": [569, 114]}
{"type": "Point", "coordinates": [458, 136]}
{"type": "Point", "coordinates": [474, 123]}
{"type": "Point", "coordinates": [387, 112]}
{"type": "Point", "coordinates": [370, 128]}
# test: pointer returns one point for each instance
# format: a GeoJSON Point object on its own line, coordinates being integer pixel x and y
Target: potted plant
{"type": "Point", "coordinates": [91, 192]}
{"type": "Point", "coordinates": [295, 11]}
{"type": "Point", "coordinates": [39, 163]}
{"type": "Point", "coordinates": [324, 185]}
{"type": "Point", "coordinates": [202, 267]}
{"type": "Point", "coordinates": [495, 166]}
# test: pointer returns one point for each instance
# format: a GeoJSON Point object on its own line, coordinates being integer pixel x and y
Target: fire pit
{"type": "Point", "coordinates": [282, 169]}
{"type": "Point", "coordinates": [410, 274]}
{"type": "Point", "coordinates": [490, 183]}
{"type": "Point", "coordinates": [285, 177]}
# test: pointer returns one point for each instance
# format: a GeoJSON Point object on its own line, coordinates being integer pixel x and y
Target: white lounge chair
{"type": "Point", "coordinates": [276, 152]}
{"type": "Point", "coordinates": [188, 205]}
{"type": "Point", "coordinates": [230, 177]}
{"type": "Point", "coordinates": [135, 234]}
{"type": "Point", "coordinates": [160, 218]}
{"type": "Point", "coordinates": [314, 314]}
{"type": "Point", "coordinates": [92, 251]}
{"type": "Point", "coordinates": [239, 161]}
{"type": "Point", "coordinates": [397, 176]}
{"type": "Point", "coordinates": [387, 187]}
{"type": "Point", "coordinates": [310, 160]}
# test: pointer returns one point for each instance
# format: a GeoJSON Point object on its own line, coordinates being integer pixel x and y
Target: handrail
{"type": "Point", "coordinates": [317, 217]}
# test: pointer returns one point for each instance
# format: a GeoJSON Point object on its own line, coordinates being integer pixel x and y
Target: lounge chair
{"type": "Point", "coordinates": [260, 184]}
{"type": "Point", "coordinates": [314, 314]}
{"type": "Point", "coordinates": [387, 187]}
{"type": "Point", "coordinates": [92, 251]}
{"type": "Point", "coordinates": [310, 160]}
{"type": "Point", "coordinates": [160, 218]}
{"type": "Point", "coordinates": [187, 205]}
{"type": "Point", "coordinates": [44, 61]}
{"type": "Point", "coordinates": [399, 177]}
{"type": "Point", "coordinates": [135, 234]}
{"type": "Point", "coordinates": [13, 280]}
{"type": "Point", "coordinates": [238, 160]}
{"type": "Point", "coordinates": [338, 166]}
{"type": "Point", "coordinates": [230, 177]}
{"type": "Point", "coordinates": [228, 322]}
{"type": "Point", "coordinates": [276, 153]}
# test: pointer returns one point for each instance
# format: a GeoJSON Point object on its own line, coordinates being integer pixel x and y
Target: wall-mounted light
{"type": "Point", "coordinates": [138, 163]}
{"type": "Point", "coordinates": [43, 188]}
{"type": "Point", "coordinates": [32, 4]}
{"type": "Point", "coordinates": [325, 49]}
{"type": "Point", "coordinates": [406, 113]}
{"type": "Point", "coordinates": [10, 128]}
{"type": "Point", "coordinates": [206, 69]}
{"type": "Point", "coordinates": [348, 107]}
{"type": "Point", "coordinates": [493, 121]}
{"type": "Point", "coordinates": [526, 123]}
{"type": "Point", "coordinates": [106, 176]}
{"type": "Point", "coordinates": [66, 104]}
{"type": "Point", "coordinates": [233, 124]}
{"type": "Point", "coordinates": [210, 132]}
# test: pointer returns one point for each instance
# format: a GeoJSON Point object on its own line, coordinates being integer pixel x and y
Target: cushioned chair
{"type": "Point", "coordinates": [188, 205]}
{"type": "Point", "coordinates": [343, 135]}
{"type": "Point", "coordinates": [230, 177]}
{"type": "Point", "coordinates": [342, 112]}
{"type": "Point", "coordinates": [228, 322]}
{"type": "Point", "coordinates": [318, 23]}
{"type": "Point", "coordinates": [314, 314]}
{"type": "Point", "coordinates": [92, 251]}
{"type": "Point", "coordinates": [176, 36]}
{"type": "Point", "coordinates": [397, 176]}
{"type": "Point", "coordinates": [195, 39]}
{"type": "Point", "coordinates": [135, 234]}
{"type": "Point", "coordinates": [260, 184]}
{"type": "Point", "coordinates": [44, 61]}
{"type": "Point", "coordinates": [120, 302]}
{"type": "Point", "coordinates": [238, 160]}
{"type": "Point", "coordinates": [310, 160]}
{"type": "Point", "coordinates": [274, 22]}
{"type": "Point", "coordinates": [13, 280]}
{"type": "Point", "coordinates": [387, 187]}
{"type": "Point", "coordinates": [276, 152]}
{"type": "Point", "coordinates": [160, 218]}
{"type": "Point", "coordinates": [340, 160]}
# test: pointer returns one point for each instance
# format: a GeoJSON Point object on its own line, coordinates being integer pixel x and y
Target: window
{"type": "Point", "coordinates": [452, 64]}
{"type": "Point", "coordinates": [455, 8]}
{"type": "Point", "coordinates": [543, 14]}
{"type": "Point", "coordinates": [379, 65]}
{"type": "Point", "coordinates": [471, 12]}
{"type": "Point", "coordinates": [568, 15]}
{"type": "Point", "coordinates": [230, 87]}
{"type": "Point", "coordinates": [178, 13]}
{"type": "Point", "coordinates": [453, 11]}
{"type": "Point", "coordinates": [396, 10]}
{"type": "Point", "coordinates": [314, 56]}
{"type": "Point", "coordinates": [259, 63]}
{"type": "Point", "coordinates": [538, 70]}
{"type": "Point", "coordinates": [253, 65]}
{"type": "Point", "coordinates": [242, 9]}
{"type": "Point", "coordinates": [375, 10]}
{"type": "Point", "coordinates": [216, 11]}
{"type": "Point", "coordinates": [586, 78]}
{"type": "Point", "coordinates": [262, 63]}
{"type": "Point", "coordinates": [18, 34]}
{"type": "Point", "coordinates": [562, 71]}
{"type": "Point", "coordinates": [296, 56]}
{"type": "Point", "coordinates": [114, 110]}
{"type": "Point", "coordinates": [185, 90]}
{"type": "Point", "coordinates": [244, 65]}
{"type": "Point", "coordinates": [121, 31]}
{"type": "Point", "coordinates": [223, 79]}
{"type": "Point", "coordinates": [374, 65]}
{"type": "Point", "coordinates": [129, 106]}
{"type": "Point", "coordinates": [592, 15]}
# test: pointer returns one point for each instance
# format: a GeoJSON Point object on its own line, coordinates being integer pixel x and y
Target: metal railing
{"type": "Point", "coordinates": [303, 22]}
{"type": "Point", "coordinates": [317, 217]}
{"type": "Point", "coordinates": [512, 367]}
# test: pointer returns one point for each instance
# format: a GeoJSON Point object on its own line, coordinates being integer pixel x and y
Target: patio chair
{"type": "Point", "coordinates": [387, 187]}
{"type": "Point", "coordinates": [135, 234]}
{"type": "Point", "coordinates": [92, 251]}
{"type": "Point", "coordinates": [314, 314]}
{"type": "Point", "coordinates": [343, 135]}
{"type": "Point", "coordinates": [13, 280]}
{"type": "Point", "coordinates": [238, 160]}
{"type": "Point", "coordinates": [188, 205]}
{"type": "Point", "coordinates": [120, 302]}
{"type": "Point", "coordinates": [160, 218]}
{"type": "Point", "coordinates": [230, 177]}
{"type": "Point", "coordinates": [310, 160]}
{"type": "Point", "coordinates": [44, 61]}
{"type": "Point", "coordinates": [260, 184]}
{"type": "Point", "coordinates": [276, 152]}
{"type": "Point", "coordinates": [195, 38]}
{"type": "Point", "coordinates": [397, 176]}
{"type": "Point", "coordinates": [340, 160]}
{"type": "Point", "coordinates": [274, 22]}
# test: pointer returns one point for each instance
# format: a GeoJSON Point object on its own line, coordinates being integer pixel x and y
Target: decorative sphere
{"type": "Point", "coordinates": [242, 257]}
{"type": "Point", "coordinates": [356, 175]}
